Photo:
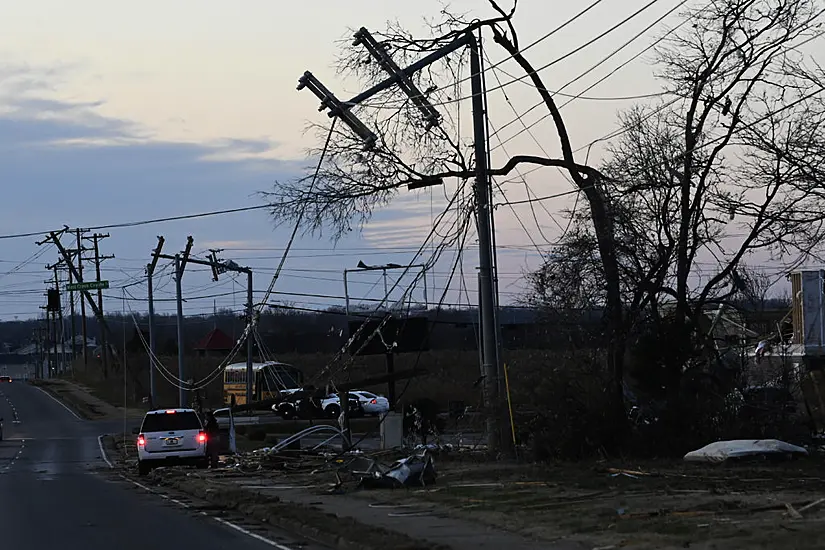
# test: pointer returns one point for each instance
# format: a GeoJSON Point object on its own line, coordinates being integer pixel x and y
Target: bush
{"type": "Point", "coordinates": [575, 422]}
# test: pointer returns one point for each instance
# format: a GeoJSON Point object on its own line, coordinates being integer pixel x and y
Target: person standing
{"type": "Point", "coordinates": [213, 438]}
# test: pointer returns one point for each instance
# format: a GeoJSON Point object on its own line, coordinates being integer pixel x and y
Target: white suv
{"type": "Point", "coordinates": [171, 436]}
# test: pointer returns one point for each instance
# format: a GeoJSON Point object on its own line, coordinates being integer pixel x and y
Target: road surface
{"type": "Point", "coordinates": [55, 490]}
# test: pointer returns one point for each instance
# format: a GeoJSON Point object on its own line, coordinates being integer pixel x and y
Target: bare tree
{"type": "Point", "coordinates": [728, 164]}
{"type": "Point", "coordinates": [756, 288]}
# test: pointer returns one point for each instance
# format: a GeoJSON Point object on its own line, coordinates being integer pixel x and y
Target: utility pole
{"type": "Point", "coordinates": [104, 342]}
{"type": "Point", "coordinates": [486, 292]}
{"type": "Point", "coordinates": [250, 350]}
{"type": "Point", "coordinates": [52, 309]}
{"type": "Point", "coordinates": [54, 343]}
{"type": "Point", "coordinates": [401, 77]}
{"type": "Point", "coordinates": [61, 359]}
{"type": "Point", "coordinates": [46, 348]}
{"type": "Point", "coordinates": [150, 271]}
{"type": "Point", "coordinates": [219, 267]}
{"type": "Point", "coordinates": [54, 237]}
{"type": "Point", "coordinates": [180, 266]}
{"type": "Point", "coordinates": [72, 321]}
{"type": "Point", "coordinates": [79, 253]}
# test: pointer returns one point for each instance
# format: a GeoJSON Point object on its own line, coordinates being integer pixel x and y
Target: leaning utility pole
{"type": "Point", "coordinates": [79, 252]}
{"type": "Point", "coordinates": [401, 78]}
{"type": "Point", "coordinates": [150, 271]}
{"type": "Point", "coordinates": [96, 238]}
{"type": "Point", "coordinates": [80, 285]}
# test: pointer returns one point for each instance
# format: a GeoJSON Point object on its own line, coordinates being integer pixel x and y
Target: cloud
{"type": "Point", "coordinates": [63, 163]}
{"type": "Point", "coordinates": [243, 149]}
{"type": "Point", "coordinates": [237, 244]}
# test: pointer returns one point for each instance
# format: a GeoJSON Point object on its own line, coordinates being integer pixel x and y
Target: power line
{"type": "Point", "coordinates": [595, 66]}
{"type": "Point", "coordinates": [300, 217]}
{"type": "Point", "coordinates": [142, 222]}
{"type": "Point", "coordinates": [664, 106]}
{"type": "Point", "coordinates": [546, 65]}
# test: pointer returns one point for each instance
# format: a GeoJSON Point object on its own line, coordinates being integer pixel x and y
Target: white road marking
{"type": "Point", "coordinates": [229, 524]}
{"type": "Point", "coordinates": [250, 533]}
{"type": "Point", "coordinates": [16, 456]}
{"type": "Point", "coordinates": [103, 451]}
{"type": "Point", "coordinates": [161, 495]}
{"type": "Point", "coordinates": [16, 419]}
{"type": "Point", "coordinates": [59, 402]}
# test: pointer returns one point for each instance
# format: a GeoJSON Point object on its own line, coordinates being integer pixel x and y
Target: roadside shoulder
{"type": "Point", "coordinates": [80, 399]}
{"type": "Point", "coordinates": [61, 391]}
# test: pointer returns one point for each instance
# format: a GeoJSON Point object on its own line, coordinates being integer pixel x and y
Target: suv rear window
{"type": "Point", "coordinates": [171, 422]}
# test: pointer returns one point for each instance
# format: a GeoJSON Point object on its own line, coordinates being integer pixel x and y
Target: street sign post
{"type": "Point", "coordinates": [90, 285]}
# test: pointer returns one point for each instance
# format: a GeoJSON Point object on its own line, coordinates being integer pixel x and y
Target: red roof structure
{"type": "Point", "coordinates": [215, 340]}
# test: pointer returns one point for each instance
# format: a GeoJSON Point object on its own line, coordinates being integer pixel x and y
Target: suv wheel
{"type": "Point", "coordinates": [333, 411]}
{"type": "Point", "coordinates": [143, 468]}
{"type": "Point", "coordinates": [287, 412]}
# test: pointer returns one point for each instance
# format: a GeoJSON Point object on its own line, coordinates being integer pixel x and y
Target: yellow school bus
{"type": "Point", "coordinates": [270, 378]}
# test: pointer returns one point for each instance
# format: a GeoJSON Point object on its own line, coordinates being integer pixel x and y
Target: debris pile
{"type": "Point", "coordinates": [415, 470]}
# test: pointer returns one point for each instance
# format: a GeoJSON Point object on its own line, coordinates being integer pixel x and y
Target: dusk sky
{"type": "Point", "coordinates": [112, 113]}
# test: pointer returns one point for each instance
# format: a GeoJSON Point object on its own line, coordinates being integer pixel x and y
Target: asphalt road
{"type": "Point", "coordinates": [55, 489]}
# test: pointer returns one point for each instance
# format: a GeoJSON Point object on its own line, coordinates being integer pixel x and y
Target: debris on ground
{"type": "Point", "coordinates": [417, 470]}
{"type": "Point", "coordinates": [650, 505]}
{"type": "Point", "coordinates": [721, 451]}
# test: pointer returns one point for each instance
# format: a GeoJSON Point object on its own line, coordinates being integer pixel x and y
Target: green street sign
{"type": "Point", "coordinates": [91, 285]}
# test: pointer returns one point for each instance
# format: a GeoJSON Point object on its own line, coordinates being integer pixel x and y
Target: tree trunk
{"type": "Point", "coordinates": [602, 223]}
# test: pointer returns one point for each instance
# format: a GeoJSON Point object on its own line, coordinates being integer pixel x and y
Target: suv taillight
{"type": "Point", "coordinates": [202, 437]}
{"type": "Point", "coordinates": [141, 441]}
{"type": "Point", "coordinates": [374, 402]}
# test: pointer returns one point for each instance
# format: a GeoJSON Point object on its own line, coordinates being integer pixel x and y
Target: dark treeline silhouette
{"type": "Point", "coordinates": [289, 330]}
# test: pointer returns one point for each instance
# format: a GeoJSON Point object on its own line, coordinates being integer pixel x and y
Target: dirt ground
{"type": "Point", "coordinates": [610, 504]}
{"type": "Point", "coordinates": [654, 505]}
{"type": "Point", "coordinates": [665, 504]}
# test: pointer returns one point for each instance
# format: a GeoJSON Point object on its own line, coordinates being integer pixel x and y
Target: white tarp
{"type": "Point", "coordinates": [740, 448]}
